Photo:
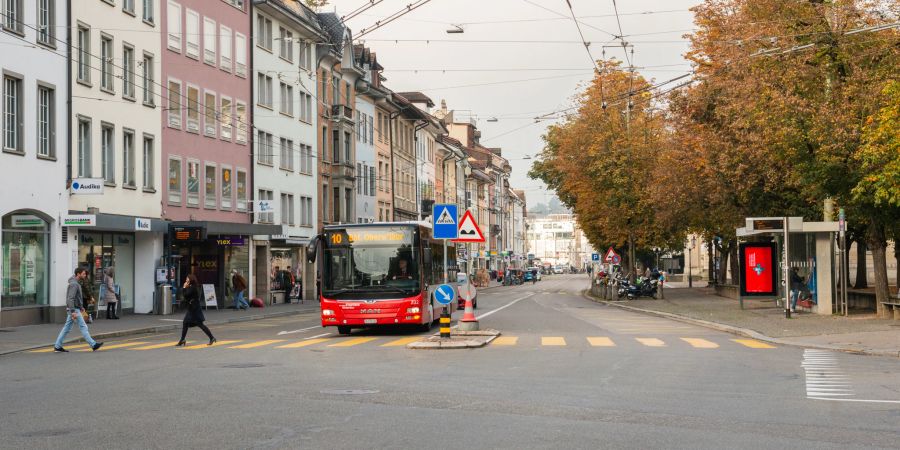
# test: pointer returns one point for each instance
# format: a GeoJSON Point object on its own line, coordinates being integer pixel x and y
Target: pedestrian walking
{"type": "Point", "coordinates": [796, 287]}
{"type": "Point", "coordinates": [87, 295]}
{"type": "Point", "coordinates": [239, 284]}
{"type": "Point", "coordinates": [75, 313]}
{"type": "Point", "coordinates": [109, 295]}
{"type": "Point", "coordinates": [194, 316]}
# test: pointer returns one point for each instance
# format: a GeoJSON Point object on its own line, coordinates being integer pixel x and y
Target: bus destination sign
{"type": "Point", "coordinates": [391, 236]}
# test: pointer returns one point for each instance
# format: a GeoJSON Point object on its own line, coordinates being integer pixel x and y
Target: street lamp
{"type": "Point", "coordinates": [690, 268]}
{"type": "Point", "coordinates": [457, 29]}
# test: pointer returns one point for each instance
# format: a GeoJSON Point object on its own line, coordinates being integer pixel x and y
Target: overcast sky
{"type": "Point", "coordinates": [519, 80]}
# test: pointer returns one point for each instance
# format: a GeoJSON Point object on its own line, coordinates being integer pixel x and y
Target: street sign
{"type": "Point", "coordinates": [467, 291]}
{"type": "Point", "coordinates": [445, 294]}
{"type": "Point", "coordinates": [595, 257]}
{"type": "Point", "coordinates": [610, 255]}
{"type": "Point", "coordinates": [443, 218]}
{"type": "Point", "coordinates": [469, 231]}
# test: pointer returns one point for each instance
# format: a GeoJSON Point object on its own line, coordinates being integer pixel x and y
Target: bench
{"type": "Point", "coordinates": [892, 305]}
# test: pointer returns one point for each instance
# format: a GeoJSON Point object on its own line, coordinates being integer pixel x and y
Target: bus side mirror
{"type": "Point", "coordinates": [311, 249]}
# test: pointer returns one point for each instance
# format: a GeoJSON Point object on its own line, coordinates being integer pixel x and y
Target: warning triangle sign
{"type": "Point", "coordinates": [469, 231]}
{"type": "Point", "coordinates": [611, 255]}
{"type": "Point", "coordinates": [445, 218]}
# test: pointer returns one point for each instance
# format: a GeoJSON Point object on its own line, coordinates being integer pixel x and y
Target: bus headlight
{"type": "Point", "coordinates": [415, 310]}
{"type": "Point", "coordinates": [327, 312]}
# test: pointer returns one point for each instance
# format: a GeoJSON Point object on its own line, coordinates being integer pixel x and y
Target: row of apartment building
{"type": "Point", "coordinates": [207, 136]}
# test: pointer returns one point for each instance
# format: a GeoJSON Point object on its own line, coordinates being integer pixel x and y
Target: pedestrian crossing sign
{"type": "Point", "coordinates": [444, 221]}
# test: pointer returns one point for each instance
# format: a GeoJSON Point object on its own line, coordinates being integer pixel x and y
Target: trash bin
{"type": "Point", "coordinates": [163, 299]}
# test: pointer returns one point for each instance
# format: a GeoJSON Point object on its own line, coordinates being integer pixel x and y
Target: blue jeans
{"type": "Point", "coordinates": [68, 327]}
{"type": "Point", "coordinates": [795, 294]}
{"type": "Point", "coordinates": [239, 302]}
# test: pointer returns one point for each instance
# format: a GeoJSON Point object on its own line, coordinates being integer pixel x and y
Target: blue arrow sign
{"type": "Point", "coordinates": [445, 294]}
{"type": "Point", "coordinates": [444, 221]}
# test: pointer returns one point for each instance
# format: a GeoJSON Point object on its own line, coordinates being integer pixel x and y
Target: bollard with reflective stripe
{"type": "Point", "coordinates": [445, 324]}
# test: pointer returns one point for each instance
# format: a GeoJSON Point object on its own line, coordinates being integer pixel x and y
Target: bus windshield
{"type": "Point", "coordinates": [370, 262]}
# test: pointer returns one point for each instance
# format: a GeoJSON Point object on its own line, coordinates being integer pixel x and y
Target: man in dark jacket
{"type": "Point", "coordinates": [74, 308]}
{"type": "Point", "coordinates": [239, 284]}
{"type": "Point", "coordinates": [87, 294]}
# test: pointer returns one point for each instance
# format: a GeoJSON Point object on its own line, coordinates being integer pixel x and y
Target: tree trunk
{"type": "Point", "coordinates": [733, 257]}
{"type": "Point", "coordinates": [723, 263]}
{"type": "Point", "coordinates": [861, 268]}
{"type": "Point", "coordinates": [878, 243]}
{"type": "Point", "coordinates": [711, 263]}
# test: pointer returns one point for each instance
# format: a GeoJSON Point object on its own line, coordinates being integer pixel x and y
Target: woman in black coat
{"type": "Point", "coordinates": [194, 316]}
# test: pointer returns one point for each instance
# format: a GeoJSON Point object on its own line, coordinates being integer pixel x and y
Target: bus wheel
{"type": "Point", "coordinates": [343, 330]}
{"type": "Point", "coordinates": [426, 327]}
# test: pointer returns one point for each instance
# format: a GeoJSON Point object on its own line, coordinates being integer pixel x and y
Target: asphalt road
{"type": "Point", "coordinates": [567, 373]}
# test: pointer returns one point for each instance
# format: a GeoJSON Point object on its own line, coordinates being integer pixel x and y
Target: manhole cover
{"type": "Point", "coordinates": [349, 391]}
{"type": "Point", "coordinates": [243, 366]}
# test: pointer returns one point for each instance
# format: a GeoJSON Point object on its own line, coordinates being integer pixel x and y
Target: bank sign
{"type": "Point", "coordinates": [79, 220]}
{"type": "Point", "coordinates": [87, 186]}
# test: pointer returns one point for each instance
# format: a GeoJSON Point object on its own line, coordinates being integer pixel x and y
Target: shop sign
{"type": "Point", "coordinates": [230, 240]}
{"type": "Point", "coordinates": [80, 220]}
{"type": "Point", "coordinates": [87, 186]}
{"type": "Point", "coordinates": [758, 274]}
{"type": "Point", "coordinates": [141, 224]}
{"type": "Point", "coordinates": [26, 221]}
{"type": "Point", "coordinates": [188, 234]}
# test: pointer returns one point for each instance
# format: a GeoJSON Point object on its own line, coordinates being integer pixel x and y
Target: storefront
{"type": "Point", "coordinates": [99, 251]}
{"type": "Point", "coordinates": [26, 269]}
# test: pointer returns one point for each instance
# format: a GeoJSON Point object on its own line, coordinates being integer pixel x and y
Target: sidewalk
{"type": "Point", "coordinates": [858, 333]}
{"type": "Point", "coordinates": [19, 339]}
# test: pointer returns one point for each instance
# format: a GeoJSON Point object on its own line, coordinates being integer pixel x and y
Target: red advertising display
{"type": "Point", "coordinates": [758, 271]}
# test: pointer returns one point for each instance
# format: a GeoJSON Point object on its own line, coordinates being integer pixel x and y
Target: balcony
{"type": "Point", "coordinates": [342, 111]}
{"type": "Point", "coordinates": [343, 170]}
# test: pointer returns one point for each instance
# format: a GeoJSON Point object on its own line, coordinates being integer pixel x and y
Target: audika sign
{"type": "Point", "coordinates": [87, 186]}
{"type": "Point", "coordinates": [758, 272]}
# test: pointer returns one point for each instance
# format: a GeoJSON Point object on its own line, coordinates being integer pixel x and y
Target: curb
{"type": "Point", "coordinates": [746, 332]}
{"type": "Point", "coordinates": [160, 329]}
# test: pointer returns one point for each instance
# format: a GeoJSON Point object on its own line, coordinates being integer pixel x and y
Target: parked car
{"type": "Point", "coordinates": [559, 270]}
{"type": "Point", "coordinates": [462, 279]}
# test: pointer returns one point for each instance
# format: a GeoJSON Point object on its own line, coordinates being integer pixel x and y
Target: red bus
{"type": "Point", "coordinates": [379, 274]}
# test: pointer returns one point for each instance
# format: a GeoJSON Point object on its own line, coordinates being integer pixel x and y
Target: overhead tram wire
{"type": "Point", "coordinates": [587, 45]}
{"type": "Point", "coordinates": [380, 23]}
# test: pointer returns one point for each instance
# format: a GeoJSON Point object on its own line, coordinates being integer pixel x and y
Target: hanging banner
{"type": "Point", "coordinates": [758, 271]}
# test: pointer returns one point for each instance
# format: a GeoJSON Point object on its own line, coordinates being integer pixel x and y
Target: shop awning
{"type": "Point", "coordinates": [115, 222]}
{"type": "Point", "coordinates": [230, 228]}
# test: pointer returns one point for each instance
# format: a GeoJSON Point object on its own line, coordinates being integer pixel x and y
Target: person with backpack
{"type": "Point", "coordinates": [194, 316]}
{"type": "Point", "coordinates": [239, 285]}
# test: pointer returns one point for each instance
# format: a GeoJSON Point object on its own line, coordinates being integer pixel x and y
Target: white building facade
{"type": "Point", "coordinates": [35, 260]}
{"type": "Point", "coordinates": [366, 204]}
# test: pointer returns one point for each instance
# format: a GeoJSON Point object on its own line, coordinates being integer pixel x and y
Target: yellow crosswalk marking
{"type": "Point", "coordinates": [601, 342]}
{"type": "Point", "coordinates": [402, 342]}
{"type": "Point", "coordinates": [304, 343]}
{"type": "Point", "coordinates": [156, 346]}
{"type": "Point", "coordinates": [199, 346]}
{"type": "Point", "coordinates": [352, 342]}
{"type": "Point", "coordinates": [50, 349]}
{"type": "Point", "coordinates": [651, 342]}
{"type": "Point", "coordinates": [553, 340]}
{"type": "Point", "coordinates": [700, 343]}
{"type": "Point", "coordinates": [115, 346]}
{"type": "Point", "coordinates": [259, 344]}
{"type": "Point", "coordinates": [505, 340]}
{"type": "Point", "coordinates": [752, 343]}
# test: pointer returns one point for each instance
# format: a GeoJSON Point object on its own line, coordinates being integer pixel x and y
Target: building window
{"type": "Point", "coordinates": [264, 147]}
{"type": "Point", "coordinates": [286, 47]}
{"type": "Point", "coordinates": [225, 48]}
{"type": "Point", "coordinates": [128, 158]}
{"type": "Point", "coordinates": [148, 90]}
{"type": "Point", "coordinates": [107, 153]}
{"type": "Point", "coordinates": [372, 180]}
{"type": "Point", "coordinates": [225, 119]}
{"type": "Point", "coordinates": [264, 90]}
{"type": "Point", "coordinates": [192, 33]}
{"type": "Point", "coordinates": [149, 162]}
{"type": "Point", "coordinates": [324, 206]}
{"type": "Point", "coordinates": [337, 205]}
{"type": "Point", "coordinates": [359, 181]}
{"type": "Point", "coordinates": [13, 15]}
{"type": "Point", "coordinates": [241, 115]}
{"type": "Point", "coordinates": [193, 109]}
{"type": "Point", "coordinates": [84, 54]}
{"type": "Point", "coordinates": [264, 32]}
{"type": "Point", "coordinates": [128, 6]}
{"type": "Point", "coordinates": [210, 111]}
{"type": "Point", "coordinates": [147, 15]}
{"type": "Point", "coordinates": [84, 147]}
{"type": "Point", "coordinates": [12, 114]}
{"type": "Point", "coordinates": [287, 99]}
{"type": "Point", "coordinates": [305, 56]}
{"type": "Point", "coordinates": [287, 209]}
{"type": "Point", "coordinates": [240, 55]}
{"type": "Point", "coordinates": [174, 106]}
{"type": "Point", "coordinates": [46, 22]}
{"type": "Point", "coordinates": [127, 71]}
{"type": "Point", "coordinates": [209, 41]}
{"type": "Point", "coordinates": [266, 217]}
{"type": "Point", "coordinates": [174, 26]}
{"type": "Point", "coordinates": [175, 180]}
{"type": "Point", "coordinates": [226, 187]}
{"type": "Point", "coordinates": [348, 205]}
{"type": "Point", "coordinates": [26, 260]}
{"type": "Point", "coordinates": [209, 193]}
{"type": "Point", "coordinates": [46, 128]}
{"type": "Point", "coordinates": [305, 159]}
{"type": "Point", "coordinates": [287, 154]}
{"type": "Point", "coordinates": [306, 107]}
{"type": "Point", "coordinates": [241, 190]}
{"type": "Point", "coordinates": [239, 4]}
{"type": "Point", "coordinates": [193, 184]}
{"type": "Point", "coordinates": [347, 143]}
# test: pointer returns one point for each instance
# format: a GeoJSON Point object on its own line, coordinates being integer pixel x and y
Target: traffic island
{"type": "Point", "coordinates": [457, 340]}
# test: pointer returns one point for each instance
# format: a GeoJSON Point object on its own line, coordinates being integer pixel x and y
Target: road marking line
{"type": "Point", "coordinates": [259, 344]}
{"type": "Point", "coordinates": [199, 346]}
{"type": "Point", "coordinates": [352, 342]}
{"type": "Point", "coordinates": [855, 400]}
{"type": "Point", "coordinates": [752, 343]}
{"type": "Point", "coordinates": [114, 346]}
{"type": "Point", "coordinates": [298, 331]}
{"type": "Point", "coordinates": [50, 349]}
{"type": "Point", "coordinates": [304, 343]}
{"type": "Point", "coordinates": [155, 346]}
{"type": "Point", "coordinates": [700, 343]}
{"type": "Point", "coordinates": [601, 342]}
{"type": "Point", "coordinates": [319, 335]}
{"type": "Point", "coordinates": [553, 340]}
{"type": "Point", "coordinates": [402, 341]}
{"type": "Point", "coordinates": [651, 342]}
{"type": "Point", "coordinates": [482, 316]}
{"type": "Point", "coordinates": [505, 340]}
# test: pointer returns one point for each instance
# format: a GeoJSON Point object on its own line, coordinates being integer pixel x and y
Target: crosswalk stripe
{"type": "Point", "coordinates": [400, 342]}
{"type": "Point", "coordinates": [505, 340]}
{"type": "Point", "coordinates": [553, 340]}
{"type": "Point", "coordinates": [651, 342]}
{"type": "Point", "coordinates": [50, 349]}
{"type": "Point", "coordinates": [259, 344]}
{"type": "Point", "coordinates": [115, 346]}
{"type": "Point", "coordinates": [352, 342]}
{"type": "Point", "coordinates": [199, 346]}
{"type": "Point", "coordinates": [700, 343]}
{"type": "Point", "coordinates": [155, 346]}
{"type": "Point", "coordinates": [601, 342]}
{"type": "Point", "coordinates": [304, 343]}
{"type": "Point", "coordinates": [752, 343]}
